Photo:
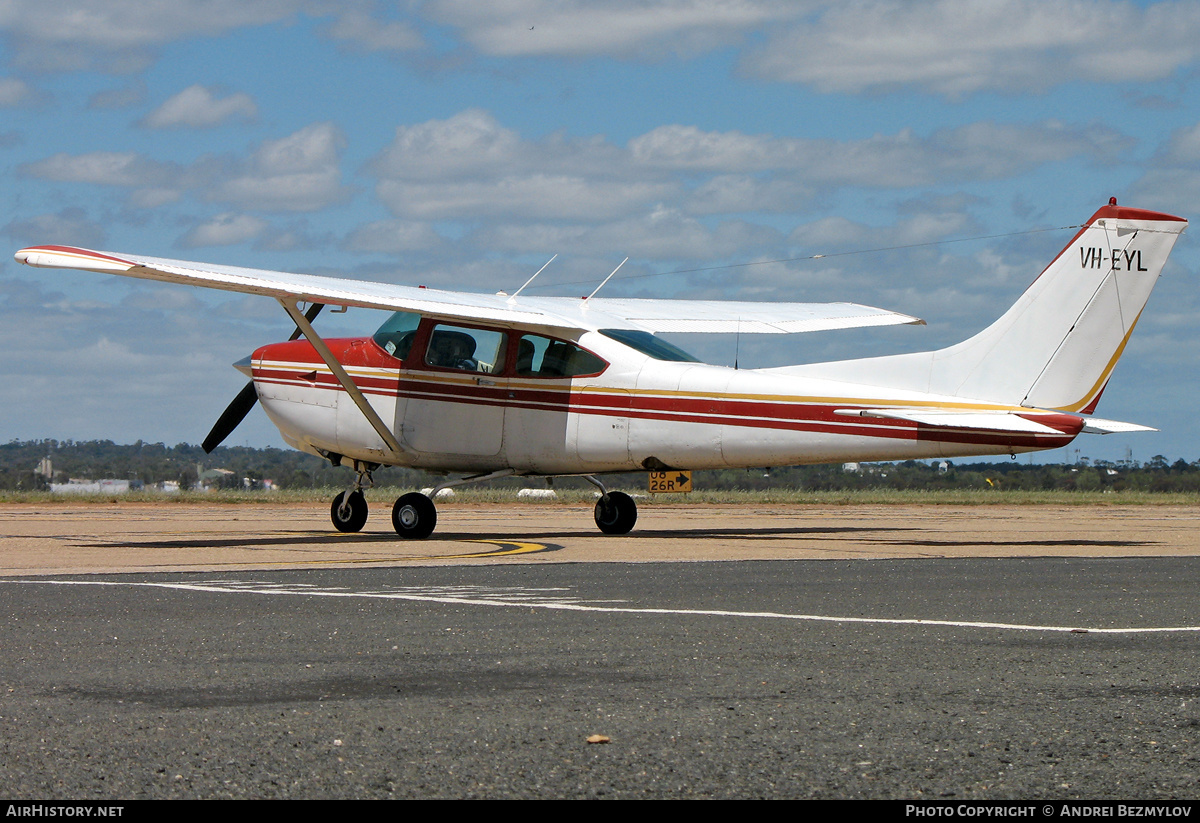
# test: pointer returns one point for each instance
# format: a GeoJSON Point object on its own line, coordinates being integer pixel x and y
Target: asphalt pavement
{"type": "Point", "coordinates": [937, 678]}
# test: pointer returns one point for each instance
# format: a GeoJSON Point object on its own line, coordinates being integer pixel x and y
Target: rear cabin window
{"type": "Point", "coordinates": [649, 345]}
{"type": "Point", "coordinates": [539, 356]}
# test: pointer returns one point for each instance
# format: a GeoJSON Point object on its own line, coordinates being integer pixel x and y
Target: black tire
{"type": "Point", "coordinates": [616, 513]}
{"type": "Point", "coordinates": [350, 516]}
{"type": "Point", "coordinates": [414, 516]}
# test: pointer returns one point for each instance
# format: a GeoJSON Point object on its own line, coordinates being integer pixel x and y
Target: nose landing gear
{"type": "Point", "coordinates": [349, 509]}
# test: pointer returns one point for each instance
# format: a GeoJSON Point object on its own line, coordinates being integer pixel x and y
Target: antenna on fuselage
{"type": "Point", "coordinates": [614, 271]}
{"type": "Point", "coordinates": [530, 280]}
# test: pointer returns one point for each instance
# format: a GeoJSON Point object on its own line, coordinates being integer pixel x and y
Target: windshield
{"type": "Point", "coordinates": [397, 334]}
{"type": "Point", "coordinates": [649, 345]}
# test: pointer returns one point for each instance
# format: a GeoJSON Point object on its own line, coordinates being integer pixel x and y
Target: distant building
{"type": "Point", "coordinates": [213, 478]}
{"type": "Point", "coordinates": [92, 487]}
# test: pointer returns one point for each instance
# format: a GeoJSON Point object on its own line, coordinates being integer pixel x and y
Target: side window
{"type": "Point", "coordinates": [465, 349]}
{"type": "Point", "coordinates": [539, 356]}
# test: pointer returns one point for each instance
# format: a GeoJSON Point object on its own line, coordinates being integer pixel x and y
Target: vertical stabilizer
{"type": "Point", "coordinates": [1057, 345]}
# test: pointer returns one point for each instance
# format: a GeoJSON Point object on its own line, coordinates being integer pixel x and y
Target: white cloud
{"type": "Point", "coordinates": [109, 168]}
{"type": "Point", "coordinates": [977, 151]}
{"type": "Point", "coordinates": [300, 172]}
{"type": "Point", "coordinates": [123, 35]}
{"type": "Point", "coordinates": [732, 193]}
{"type": "Point", "coordinates": [924, 227]}
{"type": "Point", "coordinates": [13, 91]}
{"type": "Point", "coordinates": [470, 142]}
{"type": "Point", "coordinates": [196, 107]}
{"type": "Point", "coordinates": [392, 237]}
{"type": "Point", "coordinates": [1172, 182]}
{"type": "Point", "coordinates": [958, 47]}
{"type": "Point", "coordinates": [571, 28]}
{"type": "Point", "coordinates": [169, 351]}
{"type": "Point", "coordinates": [154, 198]}
{"type": "Point", "coordinates": [1183, 147]}
{"type": "Point", "coordinates": [226, 229]}
{"type": "Point", "coordinates": [122, 97]}
{"type": "Point", "coordinates": [356, 30]}
{"type": "Point", "coordinates": [469, 166]}
{"type": "Point", "coordinates": [71, 227]}
{"type": "Point", "coordinates": [595, 197]}
{"type": "Point", "coordinates": [663, 233]}
{"type": "Point", "coordinates": [537, 195]}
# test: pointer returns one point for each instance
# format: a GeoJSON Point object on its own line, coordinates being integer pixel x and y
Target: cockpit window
{"type": "Point", "coordinates": [649, 345]}
{"type": "Point", "coordinates": [466, 349]}
{"type": "Point", "coordinates": [397, 334]}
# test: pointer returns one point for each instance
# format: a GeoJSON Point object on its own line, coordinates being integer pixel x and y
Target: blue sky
{"type": "Point", "coordinates": [461, 144]}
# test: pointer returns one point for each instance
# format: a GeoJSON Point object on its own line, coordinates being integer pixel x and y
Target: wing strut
{"type": "Point", "coordinates": [293, 310]}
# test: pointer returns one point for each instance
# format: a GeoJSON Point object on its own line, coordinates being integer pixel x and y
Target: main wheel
{"type": "Point", "coordinates": [349, 512]}
{"type": "Point", "coordinates": [616, 513]}
{"type": "Point", "coordinates": [414, 516]}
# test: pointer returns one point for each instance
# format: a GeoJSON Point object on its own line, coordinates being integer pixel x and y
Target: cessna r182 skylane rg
{"type": "Point", "coordinates": [489, 386]}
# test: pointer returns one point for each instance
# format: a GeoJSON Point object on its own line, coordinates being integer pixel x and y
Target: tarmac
{"type": "Point", "coordinates": [142, 537]}
{"type": "Point", "coordinates": [926, 653]}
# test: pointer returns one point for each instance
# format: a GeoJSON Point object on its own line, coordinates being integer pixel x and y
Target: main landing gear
{"type": "Point", "coordinates": [414, 516]}
{"type": "Point", "coordinates": [615, 511]}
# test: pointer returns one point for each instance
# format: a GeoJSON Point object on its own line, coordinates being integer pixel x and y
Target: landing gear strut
{"type": "Point", "coordinates": [349, 509]}
{"type": "Point", "coordinates": [414, 515]}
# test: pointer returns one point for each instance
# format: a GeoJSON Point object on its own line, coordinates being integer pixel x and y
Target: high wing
{"type": "Point", "coordinates": [706, 316]}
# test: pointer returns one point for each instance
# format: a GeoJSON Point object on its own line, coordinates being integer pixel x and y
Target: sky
{"type": "Point", "coordinates": [936, 153]}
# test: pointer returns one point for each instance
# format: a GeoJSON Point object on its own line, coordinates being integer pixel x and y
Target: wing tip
{"type": "Point", "coordinates": [71, 257]}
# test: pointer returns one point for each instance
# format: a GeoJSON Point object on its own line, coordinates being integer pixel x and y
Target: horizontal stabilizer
{"type": "Point", "coordinates": [1095, 425]}
{"type": "Point", "coordinates": [957, 419]}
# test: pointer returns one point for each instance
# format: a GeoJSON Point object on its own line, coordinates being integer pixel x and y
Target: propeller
{"type": "Point", "coordinates": [236, 411]}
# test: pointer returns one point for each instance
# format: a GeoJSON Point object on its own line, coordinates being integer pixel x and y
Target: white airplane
{"type": "Point", "coordinates": [489, 386]}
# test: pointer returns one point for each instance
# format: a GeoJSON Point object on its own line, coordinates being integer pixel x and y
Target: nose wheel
{"type": "Point", "coordinates": [414, 516]}
{"type": "Point", "coordinates": [349, 511]}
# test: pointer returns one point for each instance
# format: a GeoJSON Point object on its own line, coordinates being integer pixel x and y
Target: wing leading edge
{"type": "Point", "coordinates": [702, 316]}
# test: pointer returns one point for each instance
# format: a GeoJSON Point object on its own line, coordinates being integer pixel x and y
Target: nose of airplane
{"type": "Point", "coordinates": [243, 366]}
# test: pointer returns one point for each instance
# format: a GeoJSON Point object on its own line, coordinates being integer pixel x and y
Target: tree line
{"type": "Point", "coordinates": [152, 463]}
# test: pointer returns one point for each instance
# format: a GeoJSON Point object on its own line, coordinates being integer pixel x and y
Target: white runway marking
{"type": "Point", "coordinates": [559, 599]}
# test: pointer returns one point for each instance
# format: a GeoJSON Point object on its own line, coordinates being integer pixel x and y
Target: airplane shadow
{"type": "Point", "coordinates": [890, 536]}
{"type": "Point", "coordinates": [316, 538]}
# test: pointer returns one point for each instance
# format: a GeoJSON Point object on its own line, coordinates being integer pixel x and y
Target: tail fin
{"type": "Point", "coordinates": [1057, 345]}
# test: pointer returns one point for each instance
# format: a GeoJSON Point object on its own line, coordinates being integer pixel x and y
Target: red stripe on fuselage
{"type": "Point", "coordinates": [780, 416]}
